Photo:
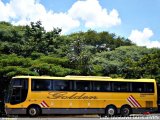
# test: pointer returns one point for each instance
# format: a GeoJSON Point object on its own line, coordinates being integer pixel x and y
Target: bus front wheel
{"type": "Point", "coordinates": [33, 111]}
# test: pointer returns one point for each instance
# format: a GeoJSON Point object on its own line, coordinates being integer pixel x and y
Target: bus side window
{"type": "Point", "coordinates": [149, 87]}
{"type": "Point", "coordinates": [61, 85]}
{"type": "Point", "coordinates": [82, 85]}
{"type": "Point", "coordinates": [120, 87]}
{"type": "Point", "coordinates": [143, 87]}
{"type": "Point", "coordinates": [139, 89]}
{"type": "Point", "coordinates": [100, 86]}
{"type": "Point", "coordinates": [41, 85]}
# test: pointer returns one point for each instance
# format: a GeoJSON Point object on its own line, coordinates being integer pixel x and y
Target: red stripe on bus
{"type": "Point", "coordinates": [45, 104]}
{"type": "Point", "coordinates": [42, 104]}
{"type": "Point", "coordinates": [136, 101]}
{"type": "Point", "coordinates": [132, 99]}
{"type": "Point", "coordinates": [130, 102]}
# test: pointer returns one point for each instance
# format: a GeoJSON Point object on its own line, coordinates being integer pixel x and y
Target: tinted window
{"type": "Point", "coordinates": [82, 86]}
{"type": "Point", "coordinates": [101, 86]}
{"type": "Point", "coordinates": [41, 85]}
{"type": "Point", "coordinates": [143, 87]}
{"type": "Point", "coordinates": [120, 86]}
{"type": "Point", "coordinates": [149, 87]}
{"type": "Point", "coordinates": [61, 85]}
{"type": "Point", "coordinates": [19, 82]}
{"type": "Point", "coordinates": [19, 91]}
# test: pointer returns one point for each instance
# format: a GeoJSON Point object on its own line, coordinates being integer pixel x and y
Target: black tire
{"type": "Point", "coordinates": [111, 111]}
{"type": "Point", "coordinates": [33, 111]}
{"type": "Point", "coordinates": [125, 111]}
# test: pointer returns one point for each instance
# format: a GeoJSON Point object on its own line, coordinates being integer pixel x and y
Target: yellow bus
{"type": "Point", "coordinates": [36, 95]}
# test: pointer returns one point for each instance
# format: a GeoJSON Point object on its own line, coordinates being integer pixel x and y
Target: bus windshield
{"type": "Point", "coordinates": [8, 93]}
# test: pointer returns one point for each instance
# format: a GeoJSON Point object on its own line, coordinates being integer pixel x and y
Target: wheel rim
{"type": "Point", "coordinates": [125, 111]}
{"type": "Point", "coordinates": [32, 111]}
{"type": "Point", "coordinates": [111, 111]}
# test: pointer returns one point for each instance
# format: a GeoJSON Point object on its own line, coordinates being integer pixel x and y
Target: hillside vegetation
{"type": "Point", "coordinates": [30, 50]}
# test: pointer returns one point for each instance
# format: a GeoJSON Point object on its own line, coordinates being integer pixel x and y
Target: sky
{"type": "Point", "coordinates": [136, 20]}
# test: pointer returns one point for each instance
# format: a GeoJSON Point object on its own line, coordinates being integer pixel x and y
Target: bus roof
{"type": "Point", "coordinates": [91, 78]}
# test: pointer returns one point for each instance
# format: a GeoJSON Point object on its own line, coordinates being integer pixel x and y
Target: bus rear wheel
{"type": "Point", "coordinates": [33, 111]}
{"type": "Point", "coordinates": [125, 111]}
{"type": "Point", "coordinates": [111, 111]}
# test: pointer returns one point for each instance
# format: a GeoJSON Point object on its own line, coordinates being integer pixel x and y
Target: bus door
{"type": "Point", "coordinates": [16, 95]}
{"type": "Point", "coordinates": [19, 91]}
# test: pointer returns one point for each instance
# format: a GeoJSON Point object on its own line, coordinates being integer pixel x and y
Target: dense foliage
{"type": "Point", "coordinates": [30, 50]}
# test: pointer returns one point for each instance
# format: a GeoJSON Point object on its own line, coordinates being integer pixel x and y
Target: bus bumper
{"type": "Point", "coordinates": [10, 111]}
{"type": "Point", "coordinates": [143, 110]}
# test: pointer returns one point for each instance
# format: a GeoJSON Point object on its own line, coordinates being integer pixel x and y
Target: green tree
{"type": "Point", "coordinates": [80, 57]}
{"type": "Point", "coordinates": [38, 40]}
{"type": "Point", "coordinates": [120, 60]}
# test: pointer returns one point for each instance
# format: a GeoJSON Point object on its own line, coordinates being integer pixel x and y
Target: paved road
{"type": "Point", "coordinates": [88, 117]}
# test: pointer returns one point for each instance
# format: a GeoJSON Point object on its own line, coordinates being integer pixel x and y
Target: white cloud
{"type": "Point", "coordinates": [22, 12]}
{"type": "Point", "coordinates": [93, 15]}
{"type": "Point", "coordinates": [142, 38]}
{"type": "Point", "coordinates": [4, 14]}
